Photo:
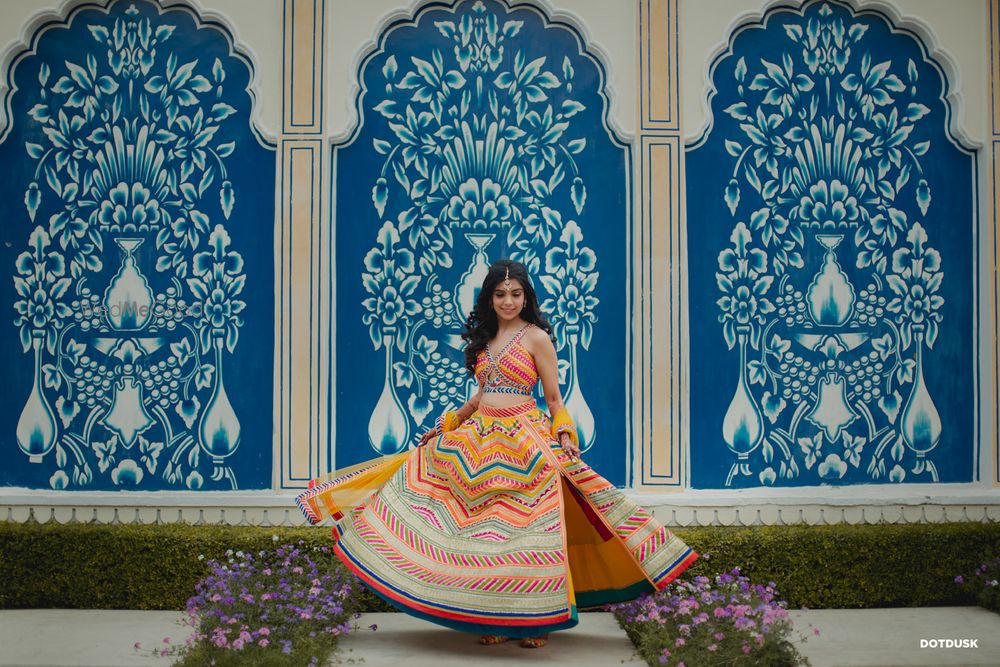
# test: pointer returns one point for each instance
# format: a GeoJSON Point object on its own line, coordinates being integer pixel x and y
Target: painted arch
{"type": "Point", "coordinates": [832, 280]}
{"type": "Point", "coordinates": [138, 212]}
{"type": "Point", "coordinates": [483, 134]}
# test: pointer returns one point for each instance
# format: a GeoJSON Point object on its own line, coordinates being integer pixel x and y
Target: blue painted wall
{"type": "Point", "coordinates": [137, 210]}
{"type": "Point", "coordinates": [482, 135]}
{"type": "Point", "coordinates": [831, 269]}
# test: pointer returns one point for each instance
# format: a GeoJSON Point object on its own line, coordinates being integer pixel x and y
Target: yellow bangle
{"type": "Point", "coordinates": [562, 423]}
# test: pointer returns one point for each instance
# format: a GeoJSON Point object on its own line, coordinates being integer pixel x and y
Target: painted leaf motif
{"type": "Point", "coordinates": [32, 199]}
{"type": "Point", "coordinates": [579, 194]}
{"type": "Point", "coordinates": [732, 196]}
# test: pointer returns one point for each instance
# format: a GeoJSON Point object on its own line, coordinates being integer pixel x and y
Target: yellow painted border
{"type": "Point", "coordinates": [659, 257]}
{"type": "Point", "coordinates": [302, 81]}
{"type": "Point", "coordinates": [989, 307]}
{"type": "Point", "coordinates": [659, 84]}
{"type": "Point", "coordinates": [301, 321]}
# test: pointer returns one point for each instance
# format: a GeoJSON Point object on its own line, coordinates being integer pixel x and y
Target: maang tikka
{"type": "Point", "coordinates": [506, 279]}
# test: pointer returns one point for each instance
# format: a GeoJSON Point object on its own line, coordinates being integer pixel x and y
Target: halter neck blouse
{"type": "Point", "coordinates": [511, 371]}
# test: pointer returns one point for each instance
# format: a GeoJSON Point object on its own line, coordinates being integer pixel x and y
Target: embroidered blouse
{"type": "Point", "coordinates": [511, 371]}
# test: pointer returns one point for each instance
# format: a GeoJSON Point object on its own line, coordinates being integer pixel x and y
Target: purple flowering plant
{"type": "Point", "coordinates": [726, 621]}
{"type": "Point", "coordinates": [288, 606]}
{"type": "Point", "coordinates": [982, 584]}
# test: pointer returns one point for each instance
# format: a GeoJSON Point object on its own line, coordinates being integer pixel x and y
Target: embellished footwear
{"type": "Point", "coordinates": [490, 640]}
{"type": "Point", "coordinates": [535, 642]}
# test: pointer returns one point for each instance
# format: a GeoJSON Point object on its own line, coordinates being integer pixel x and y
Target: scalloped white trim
{"type": "Point", "coordinates": [822, 515]}
{"type": "Point", "coordinates": [24, 47]}
{"type": "Point", "coordinates": [588, 48]}
{"type": "Point", "coordinates": [935, 54]}
{"type": "Point", "coordinates": [691, 507]}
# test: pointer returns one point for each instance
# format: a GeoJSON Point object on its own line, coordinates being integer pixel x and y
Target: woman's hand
{"type": "Point", "coordinates": [567, 444]}
{"type": "Point", "coordinates": [426, 437]}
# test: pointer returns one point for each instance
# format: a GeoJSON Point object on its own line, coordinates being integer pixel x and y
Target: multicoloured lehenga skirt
{"type": "Point", "coordinates": [493, 529]}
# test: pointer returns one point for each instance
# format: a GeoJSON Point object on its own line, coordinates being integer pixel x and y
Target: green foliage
{"type": "Point", "coordinates": [156, 567]}
{"type": "Point", "coordinates": [89, 566]}
{"type": "Point", "coordinates": [982, 584]}
{"type": "Point", "coordinates": [990, 598]}
{"type": "Point", "coordinates": [851, 566]}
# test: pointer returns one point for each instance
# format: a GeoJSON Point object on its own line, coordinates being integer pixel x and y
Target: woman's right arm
{"type": "Point", "coordinates": [470, 406]}
{"type": "Point", "coordinates": [462, 413]}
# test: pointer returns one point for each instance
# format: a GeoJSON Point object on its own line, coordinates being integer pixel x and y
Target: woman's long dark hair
{"type": "Point", "coordinates": [482, 324]}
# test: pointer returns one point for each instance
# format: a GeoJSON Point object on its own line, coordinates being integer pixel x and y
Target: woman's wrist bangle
{"type": "Point", "coordinates": [563, 423]}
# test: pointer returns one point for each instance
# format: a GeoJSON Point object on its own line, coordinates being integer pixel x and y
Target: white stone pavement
{"type": "Point", "coordinates": [848, 638]}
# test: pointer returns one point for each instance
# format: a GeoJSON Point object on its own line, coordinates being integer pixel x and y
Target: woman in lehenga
{"type": "Point", "coordinates": [493, 525]}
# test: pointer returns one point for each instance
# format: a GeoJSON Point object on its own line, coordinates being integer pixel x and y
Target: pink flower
{"type": "Point", "coordinates": [263, 643]}
{"type": "Point", "coordinates": [719, 636]}
{"type": "Point", "coordinates": [265, 631]}
{"type": "Point", "coordinates": [679, 641]}
{"type": "Point", "coordinates": [713, 647]}
{"type": "Point", "coordinates": [746, 648]}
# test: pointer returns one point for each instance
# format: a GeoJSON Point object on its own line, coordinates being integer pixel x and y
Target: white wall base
{"type": "Point", "coordinates": [751, 507]}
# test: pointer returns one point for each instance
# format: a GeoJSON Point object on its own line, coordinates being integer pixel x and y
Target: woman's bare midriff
{"type": "Point", "coordinates": [503, 400]}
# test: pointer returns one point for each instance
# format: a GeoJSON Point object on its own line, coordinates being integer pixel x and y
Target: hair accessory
{"type": "Point", "coordinates": [506, 278]}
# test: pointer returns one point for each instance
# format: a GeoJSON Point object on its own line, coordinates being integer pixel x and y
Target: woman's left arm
{"type": "Point", "coordinates": [547, 364]}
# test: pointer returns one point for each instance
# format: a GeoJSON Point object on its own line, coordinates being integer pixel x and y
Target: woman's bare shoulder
{"type": "Point", "coordinates": [536, 339]}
